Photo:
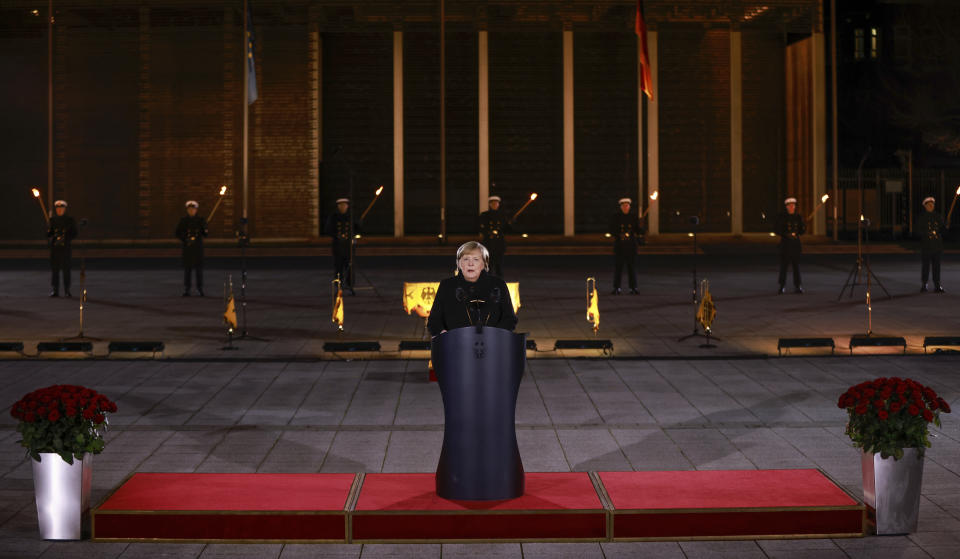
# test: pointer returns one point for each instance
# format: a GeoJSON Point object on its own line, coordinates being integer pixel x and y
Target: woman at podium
{"type": "Point", "coordinates": [472, 297]}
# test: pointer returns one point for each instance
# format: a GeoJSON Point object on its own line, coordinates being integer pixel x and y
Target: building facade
{"type": "Point", "coordinates": [539, 97]}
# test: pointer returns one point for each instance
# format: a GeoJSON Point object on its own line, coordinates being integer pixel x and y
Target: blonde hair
{"type": "Point", "coordinates": [471, 246]}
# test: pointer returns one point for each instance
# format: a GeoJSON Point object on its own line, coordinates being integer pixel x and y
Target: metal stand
{"type": "Point", "coordinates": [694, 223]}
{"type": "Point", "coordinates": [243, 240]}
{"type": "Point", "coordinates": [862, 266]}
{"type": "Point", "coordinates": [83, 293]}
{"type": "Point", "coordinates": [227, 294]}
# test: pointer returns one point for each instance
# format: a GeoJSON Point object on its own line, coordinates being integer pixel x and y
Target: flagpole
{"type": "Point", "coordinates": [443, 126]}
{"type": "Point", "coordinates": [246, 109]}
{"type": "Point", "coordinates": [49, 103]}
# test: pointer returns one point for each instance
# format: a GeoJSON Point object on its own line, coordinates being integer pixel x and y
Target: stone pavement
{"type": "Point", "coordinates": [383, 416]}
{"type": "Point", "coordinates": [290, 303]}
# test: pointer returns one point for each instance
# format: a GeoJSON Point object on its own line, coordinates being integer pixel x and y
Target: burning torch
{"type": "Point", "coordinates": [223, 191]}
{"type": "Point", "coordinates": [823, 200]}
{"type": "Point", "coordinates": [43, 208]}
{"type": "Point", "coordinates": [372, 202]}
{"type": "Point", "coordinates": [524, 206]}
{"type": "Point", "coordinates": [653, 199]}
{"type": "Point", "coordinates": [952, 204]}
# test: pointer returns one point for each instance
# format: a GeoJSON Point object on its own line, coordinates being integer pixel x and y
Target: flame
{"type": "Point", "coordinates": [379, 190]}
{"type": "Point", "coordinates": [607, 235]}
{"type": "Point", "coordinates": [223, 190]}
{"type": "Point", "coordinates": [533, 196]}
{"type": "Point", "coordinates": [772, 234]}
{"type": "Point", "coordinates": [524, 235]}
{"type": "Point", "coordinates": [36, 192]}
{"type": "Point", "coordinates": [958, 191]}
{"type": "Point", "coordinates": [824, 198]}
{"type": "Point", "coordinates": [655, 194]}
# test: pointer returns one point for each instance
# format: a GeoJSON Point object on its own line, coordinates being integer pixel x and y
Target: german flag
{"type": "Point", "coordinates": [646, 82]}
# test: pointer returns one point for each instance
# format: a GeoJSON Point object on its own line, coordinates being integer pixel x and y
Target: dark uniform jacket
{"type": "Point", "coordinates": [790, 227]}
{"type": "Point", "coordinates": [63, 229]}
{"type": "Point", "coordinates": [625, 230]}
{"type": "Point", "coordinates": [452, 307]}
{"type": "Point", "coordinates": [493, 226]}
{"type": "Point", "coordinates": [338, 228]}
{"type": "Point", "coordinates": [192, 230]}
{"type": "Point", "coordinates": [931, 229]}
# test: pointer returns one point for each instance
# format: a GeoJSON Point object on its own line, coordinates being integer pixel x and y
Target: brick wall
{"type": "Point", "coordinates": [281, 194]}
{"type": "Point", "coordinates": [23, 118]}
{"type": "Point", "coordinates": [421, 128]}
{"type": "Point", "coordinates": [694, 80]}
{"type": "Point", "coordinates": [148, 114]}
{"type": "Point", "coordinates": [605, 126]}
{"type": "Point", "coordinates": [358, 123]}
{"type": "Point", "coordinates": [763, 129]}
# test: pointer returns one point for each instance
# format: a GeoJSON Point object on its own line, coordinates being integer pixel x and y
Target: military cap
{"type": "Point", "coordinates": [60, 204]}
{"type": "Point", "coordinates": [625, 201]}
{"type": "Point", "coordinates": [494, 199]}
{"type": "Point", "coordinates": [790, 200]}
{"type": "Point", "coordinates": [929, 199]}
{"type": "Point", "coordinates": [343, 200]}
{"type": "Point", "coordinates": [192, 204]}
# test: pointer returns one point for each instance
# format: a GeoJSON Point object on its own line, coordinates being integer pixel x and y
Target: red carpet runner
{"type": "Point", "coordinates": [243, 507]}
{"type": "Point", "coordinates": [404, 508]}
{"type": "Point", "coordinates": [745, 504]}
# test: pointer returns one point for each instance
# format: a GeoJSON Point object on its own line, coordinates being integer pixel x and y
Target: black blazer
{"type": "Point", "coordinates": [452, 307]}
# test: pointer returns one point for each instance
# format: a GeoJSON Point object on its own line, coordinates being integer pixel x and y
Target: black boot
{"type": "Point", "coordinates": [186, 292]}
{"type": "Point", "coordinates": [939, 288]}
{"type": "Point", "coordinates": [633, 291]}
{"type": "Point", "coordinates": [200, 291]}
{"type": "Point", "coordinates": [55, 293]}
{"type": "Point", "coordinates": [798, 289]}
{"type": "Point", "coordinates": [780, 291]}
{"type": "Point", "coordinates": [616, 291]}
{"type": "Point", "coordinates": [923, 288]}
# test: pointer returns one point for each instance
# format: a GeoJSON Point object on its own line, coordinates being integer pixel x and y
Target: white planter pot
{"type": "Point", "coordinates": [63, 496]}
{"type": "Point", "coordinates": [891, 491]}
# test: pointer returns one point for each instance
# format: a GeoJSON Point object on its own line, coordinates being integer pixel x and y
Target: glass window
{"type": "Point", "coordinates": [858, 44]}
{"type": "Point", "coordinates": [874, 42]}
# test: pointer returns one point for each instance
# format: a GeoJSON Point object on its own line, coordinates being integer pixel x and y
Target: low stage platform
{"type": "Point", "coordinates": [404, 508]}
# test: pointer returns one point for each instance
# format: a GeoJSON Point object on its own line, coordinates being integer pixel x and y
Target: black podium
{"type": "Point", "coordinates": [479, 371]}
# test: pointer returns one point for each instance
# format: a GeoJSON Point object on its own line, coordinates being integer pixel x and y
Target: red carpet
{"type": "Point", "coordinates": [730, 504]}
{"type": "Point", "coordinates": [405, 507]}
{"type": "Point", "coordinates": [305, 507]}
{"type": "Point", "coordinates": [745, 504]}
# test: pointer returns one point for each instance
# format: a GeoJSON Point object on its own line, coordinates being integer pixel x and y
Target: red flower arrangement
{"type": "Point", "coordinates": [888, 415]}
{"type": "Point", "coordinates": [65, 419]}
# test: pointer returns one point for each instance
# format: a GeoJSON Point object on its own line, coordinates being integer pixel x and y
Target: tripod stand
{"type": "Point", "coordinates": [862, 266]}
{"type": "Point", "coordinates": [694, 223]}
{"type": "Point", "coordinates": [243, 240]}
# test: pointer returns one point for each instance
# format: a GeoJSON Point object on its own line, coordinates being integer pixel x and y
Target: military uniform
{"type": "Point", "coordinates": [61, 232]}
{"type": "Point", "coordinates": [191, 231]}
{"type": "Point", "coordinates": [341, 235]}
{"type": "Point", "coordinates": [790, 227]}
{"type": "Point", "coordinates": [931, 229]}
{"type": "Point", "coordinates": [625, 230]}
{"type": "Point", "coordinates": [493, 227]}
